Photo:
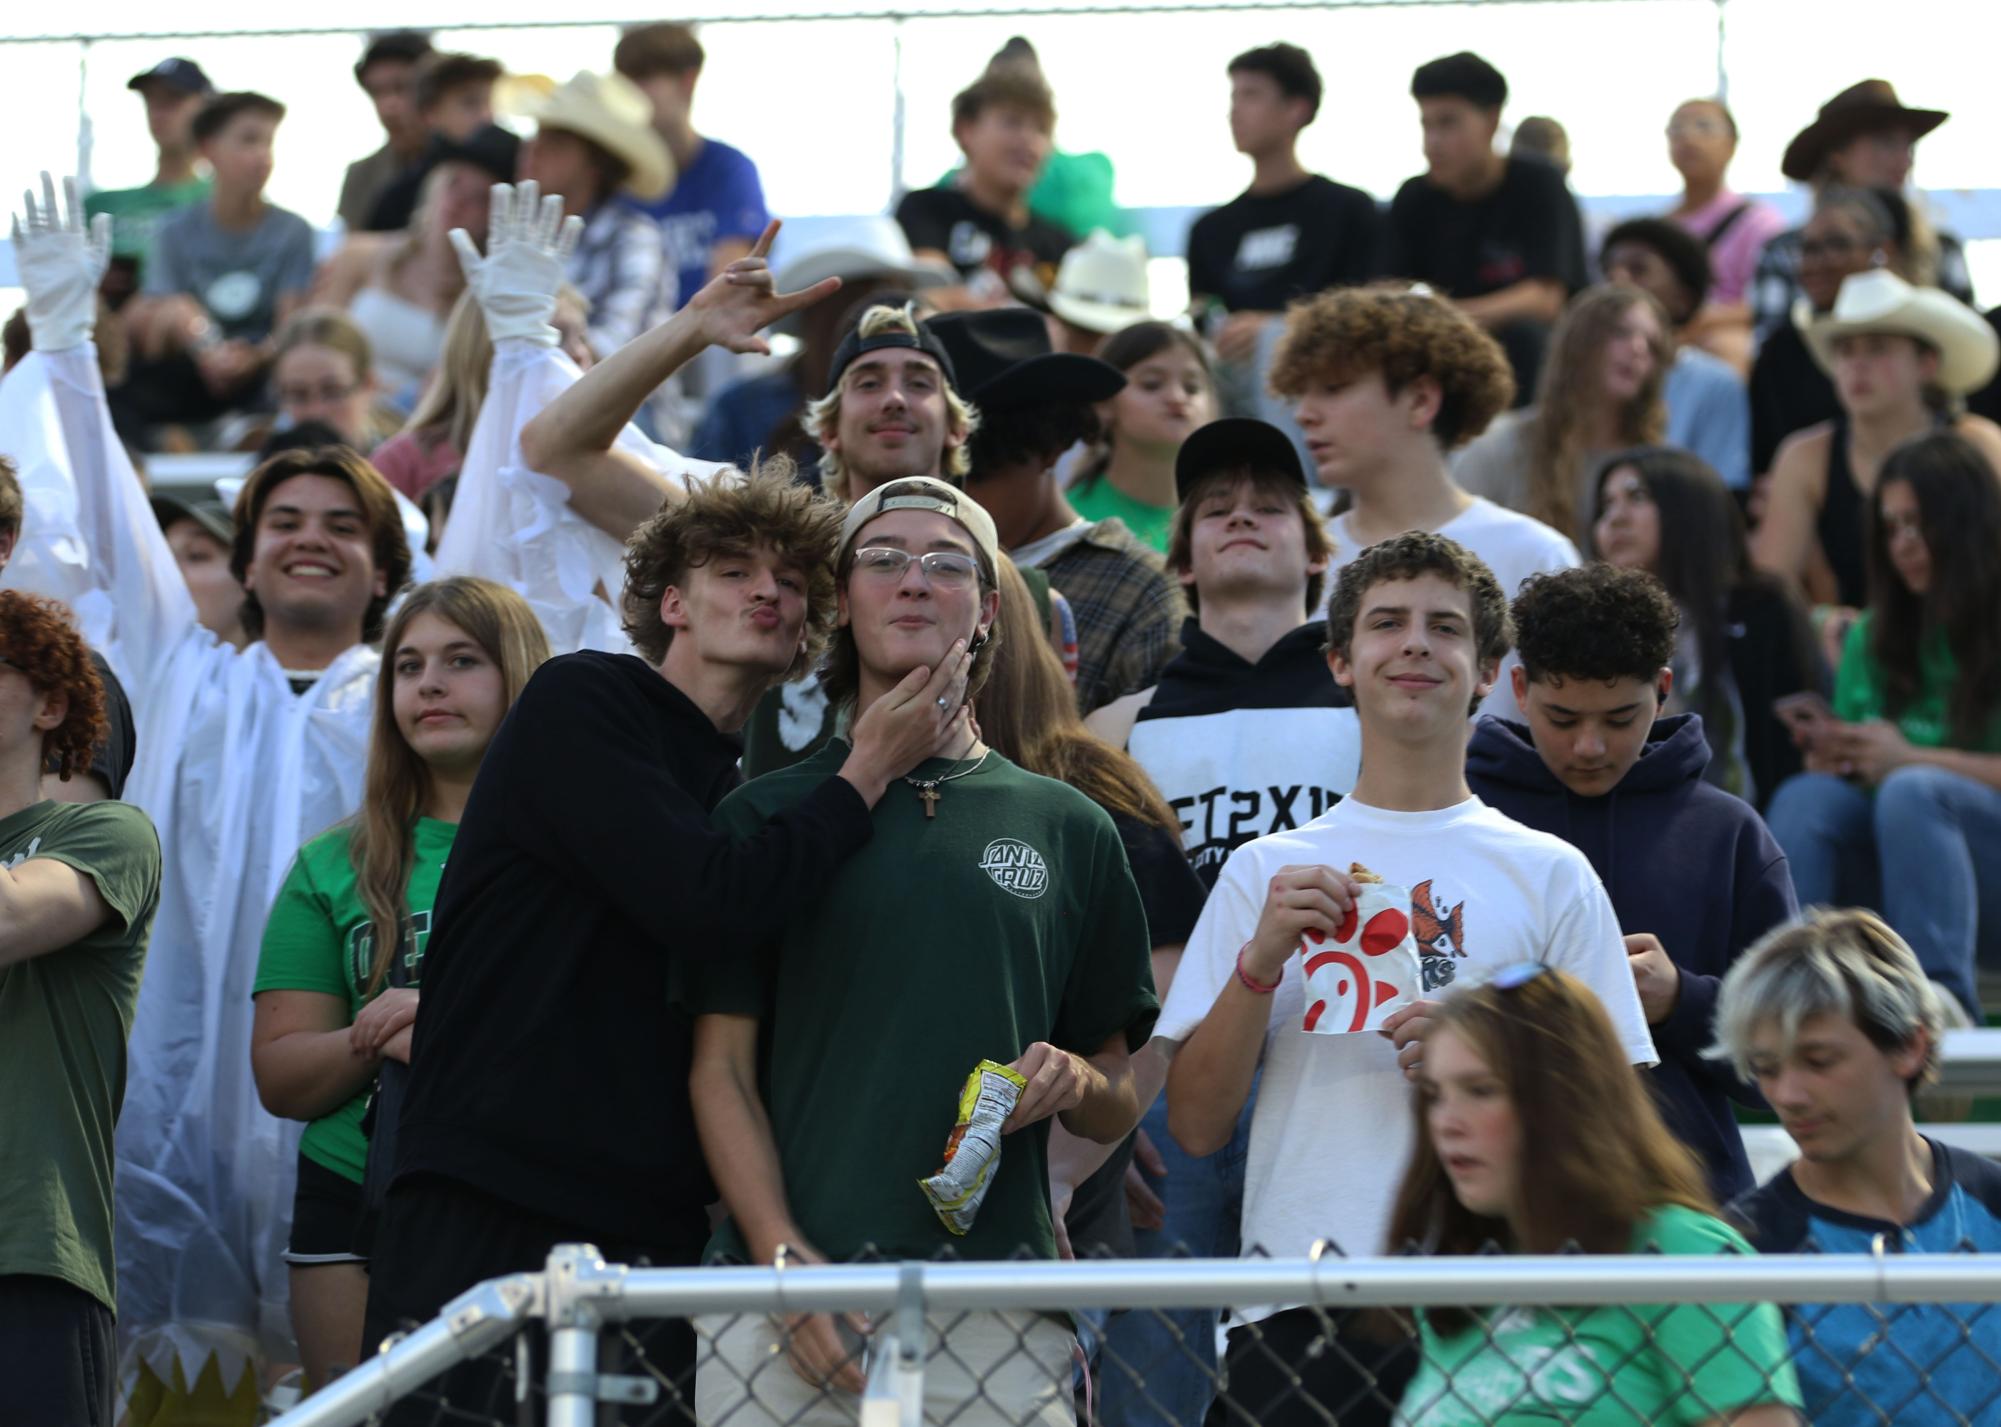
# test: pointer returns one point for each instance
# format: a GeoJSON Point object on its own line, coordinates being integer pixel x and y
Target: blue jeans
{"type": "Point", "coordinates": [1159, 1369]}
{"type": "Point", "coordinates": [1925, 849]}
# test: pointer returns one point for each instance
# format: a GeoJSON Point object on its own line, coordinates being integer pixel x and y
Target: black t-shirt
{"type": "Point", "coordinates": [550, 1070]}
{"type": "Point", "coordinates": [1789, 392]}
{"type": "Point", "coordinates": [1259, 251]}
{"type": "Point", "coordinates": [947, 221]}
{"type": "Point", "coordinates": [1099, 1223]}
{"type": "Point", "coordinates": [1528, 227]}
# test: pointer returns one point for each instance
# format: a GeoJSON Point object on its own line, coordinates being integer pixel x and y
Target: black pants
{"type": "Point", "coordinates": [1288, 1371]}
{"type": "Point", "coordinates": [438, 1237]}
{"type": "Point", "coordinates": [57, 1363]}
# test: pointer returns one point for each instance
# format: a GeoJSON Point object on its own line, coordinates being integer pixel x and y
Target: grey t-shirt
{"type": "Point", "coordinates": [238, 276]}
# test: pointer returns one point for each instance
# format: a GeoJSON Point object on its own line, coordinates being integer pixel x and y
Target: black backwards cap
{"type": "Point", "coordinates": [854, 345]}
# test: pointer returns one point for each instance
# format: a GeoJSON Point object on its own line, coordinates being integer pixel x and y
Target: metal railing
{"type": "Point", "coordinates": [578, 1296]}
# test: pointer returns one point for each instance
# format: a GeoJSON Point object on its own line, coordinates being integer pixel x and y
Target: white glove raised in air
{"type": "Point", "coordinates": [528, 246]}
{"type": "Point", "coordinates": [60, 265]}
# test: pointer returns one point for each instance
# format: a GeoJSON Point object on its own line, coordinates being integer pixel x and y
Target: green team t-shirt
{"type": "Point", "coordinates": [320, 938]}
{"type": "Point", "coordinates": [1008, 918]}
{"type": "Point", "coordinates": [1927, 720]}
{"type": "Point", "coordinates": [65, 1017]}
{"type": "Point", "coordinates": [1100, 499]}
{"type": "Point", "coordinates": [1611, 1366]}
{"type": "Point", "coordinates": [136, 213]}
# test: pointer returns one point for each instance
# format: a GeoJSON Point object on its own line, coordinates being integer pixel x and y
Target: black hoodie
{"type": "Point", "coordinates": [1683, 860]}
{"type": "Point", "coordinates": [1240, 749]}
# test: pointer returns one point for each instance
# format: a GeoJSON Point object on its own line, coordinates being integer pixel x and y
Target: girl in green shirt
{"type": "Point", "coordinates": [1169, 393]}
{"type": "Point", "coordinates": [1900, 806]}
{"type": "Point", "coordinates": [336, 990]}
{"type": "Point", "coordinates": [1535, 1135]}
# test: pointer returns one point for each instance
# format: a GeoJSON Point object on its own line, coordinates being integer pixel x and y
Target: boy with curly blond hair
{"type": "Point", "coordinates": [1387, 382]}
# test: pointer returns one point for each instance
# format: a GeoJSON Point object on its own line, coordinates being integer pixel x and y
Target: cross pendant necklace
{"type": "Point", "coordinates": [927, 788]}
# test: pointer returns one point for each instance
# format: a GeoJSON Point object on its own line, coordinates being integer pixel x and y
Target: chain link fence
{"type": "Point", "coordinates": [1885, 1337]}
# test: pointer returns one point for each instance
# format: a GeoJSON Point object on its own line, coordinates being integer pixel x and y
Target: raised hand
{"type": "Point", "coordinates": [743, 298]}
{"type": "Point", "coordinates": [60, 266]}
{"type": "Point", "coordinates": [528, 247]}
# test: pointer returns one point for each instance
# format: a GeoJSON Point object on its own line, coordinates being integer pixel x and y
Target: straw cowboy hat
{"type": "Point", "coordinates": [1102, 285]}
{"type": "Point", "coordinates": [867, 248]}
{"type": "Point", "coordinates": [1866, 108]}
{"type": "Point", "coordinates": [1880, 301]}
{"type": "Point", "coordinates": [613, 113]}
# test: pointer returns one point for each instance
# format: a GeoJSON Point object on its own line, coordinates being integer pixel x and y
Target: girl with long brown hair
{"type": "Point", "coordinates": [1600, 391]}
{"type": "Point", "coordinates": [336, 990]}
{"type": "Point", "coordinates": [1027, 713]}
{"type": "Point", "coordinates": [1535, 1135]}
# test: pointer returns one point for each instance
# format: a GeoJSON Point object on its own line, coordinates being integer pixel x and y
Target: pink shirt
{"type": "Point", "coordinates": [412, 467]}
{"type": "Point", "coordinates": [1734, 258]}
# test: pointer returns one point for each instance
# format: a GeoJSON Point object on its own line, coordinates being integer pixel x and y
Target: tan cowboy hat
{"type": "Point", "coordinates": [612, 112]}
{"type": "Point", "coordinates": [1866, 108]}
{"type": "Point", "coordinates": [1102, 285]}
{"type": "Point", "coordinates": [1880, 301]}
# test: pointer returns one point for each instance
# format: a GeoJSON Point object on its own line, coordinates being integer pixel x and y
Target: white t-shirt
{"type": "Point", "coordinates": [1331, 1133]}
{"type": "Point", "coordinates": [1514, 546]}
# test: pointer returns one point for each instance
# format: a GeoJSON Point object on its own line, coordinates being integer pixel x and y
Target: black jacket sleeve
{"type": "Point", "coordinates": [580, 763]}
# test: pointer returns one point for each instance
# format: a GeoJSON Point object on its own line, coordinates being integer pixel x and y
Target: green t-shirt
{"type": "Point", "coordinates": [1099, 499]}
{"type": "Point", "coordinates": [136, 213]}
{"type": "Point", "coordinates": [1927, 720]}
{"type": "Point", "coordinates": [320, 938]}
{"type": "Point", "coordinates": [1612, 1366]}
{"type": "Point", "coordinates": [1008, 918]}
{"type": "Point", "coordinates": [65, 1017]}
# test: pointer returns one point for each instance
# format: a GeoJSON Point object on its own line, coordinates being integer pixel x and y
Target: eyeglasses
{"type": "Point", "coordinates": [1827, 247]}
{"type": "Point", "coordinates": [1518, 974]}
{"type": "Point", "coordinates": [947, 569]}
{"type": "Point", "coordinates": [306, 395]}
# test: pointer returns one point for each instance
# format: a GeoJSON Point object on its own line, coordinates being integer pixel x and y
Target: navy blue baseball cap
{"type": "Point", "coordinates": [183, 76]}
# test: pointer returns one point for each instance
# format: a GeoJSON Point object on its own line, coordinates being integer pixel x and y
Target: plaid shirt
{"type": "Point", "coordinates": [621, 265]}
{"type": "Point", "coordinates": [1128, 611]}
{"type": "Point", "coordinates": [1777, 282]}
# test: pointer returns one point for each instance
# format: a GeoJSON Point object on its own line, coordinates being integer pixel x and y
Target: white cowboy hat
{"type": "Point", "coordinates": [612, 112]}
{"type": "Point", "coordinates": [859, 249]}
{"type": "Point", "coordinates": [1102, 285]}
{"type": "Point", "coordinates": [1880, 301]}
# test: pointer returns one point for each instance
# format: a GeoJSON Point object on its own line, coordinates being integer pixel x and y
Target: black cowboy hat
{"type": "Point", "coordinates": [1866, 108]}
{"type": "Point", "coordinates": [1003, 358]}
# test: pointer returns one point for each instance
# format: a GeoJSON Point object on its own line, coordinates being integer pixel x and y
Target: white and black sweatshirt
{"type": "Point", "coordinates": [1241, 750]}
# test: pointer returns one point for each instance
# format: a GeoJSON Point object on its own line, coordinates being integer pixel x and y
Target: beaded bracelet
{"type": "Point", "coordinates": [1255, 986]}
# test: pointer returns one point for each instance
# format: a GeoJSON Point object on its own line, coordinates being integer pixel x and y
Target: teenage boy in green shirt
{"type": "Point", "coordinates": [991, 917]}
{"type": "Point", "coordinates": [79, 883]}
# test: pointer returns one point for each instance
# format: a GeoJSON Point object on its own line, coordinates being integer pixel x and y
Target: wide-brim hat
{"type": "Point", "coordinates": [925, 493]}
{"type": "Point", "coordinates": [1102, 284]}
{"type": "Point", "coordinates": [1002, 358]}
{"type": "Point", "coordinates": [1236, 443]}
{"type": "Point", "coordinates": [613, 113]}
{"type": "Point", "coordinates": [870, 248]}
{"type": "Point", "coordinates": [1880, 301]}
{"type": "Point", "coordinates": [1866, 108]}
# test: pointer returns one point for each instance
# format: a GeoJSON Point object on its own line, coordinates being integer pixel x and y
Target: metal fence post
{"type": "Point", "coordinates": [573, 1338]}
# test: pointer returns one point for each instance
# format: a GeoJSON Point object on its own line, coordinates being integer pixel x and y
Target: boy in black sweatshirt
{"type": "Point", "coordinates": [1694, 876]}
{"type": "Point", "coordinates": [548, 1092]}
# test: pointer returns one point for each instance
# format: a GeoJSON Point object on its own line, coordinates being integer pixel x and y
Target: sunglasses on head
{"type": "Point", "coordinates": [1517, 975]}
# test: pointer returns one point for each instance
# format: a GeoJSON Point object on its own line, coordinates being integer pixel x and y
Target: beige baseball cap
{"type": "Point", "coordinates": [925, 493]}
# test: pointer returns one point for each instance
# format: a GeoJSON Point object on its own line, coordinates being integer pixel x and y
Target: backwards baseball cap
{"type": "Point", "coordinates": [926, 493]}
{"type": "Point", "coordinates": [1236, 443]}
{"type": "Point", "coordinates": [183, 76]}
{"type": "Point", "coordinates": [923, 340]}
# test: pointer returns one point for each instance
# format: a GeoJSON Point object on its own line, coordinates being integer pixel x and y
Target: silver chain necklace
{"type": "Point", "coordinates": [927, 788]}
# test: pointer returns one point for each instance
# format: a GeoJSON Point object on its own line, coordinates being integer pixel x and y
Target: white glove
{"type": "Point", "coordinates": [60, 266]}
{"type": "Point", "coordinates": [527, 252]}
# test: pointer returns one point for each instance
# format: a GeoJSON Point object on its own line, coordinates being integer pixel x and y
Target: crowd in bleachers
{"type": "Point", "coordinates": [670, 711]}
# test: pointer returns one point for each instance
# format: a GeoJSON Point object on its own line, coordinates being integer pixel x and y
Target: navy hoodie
{"type": "Point", "coordinates": [1681, 859]}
